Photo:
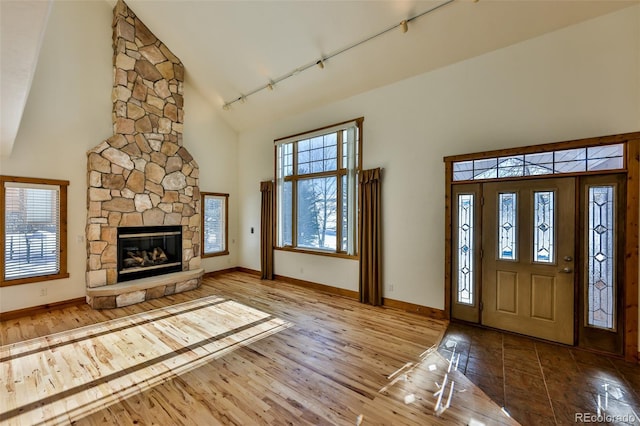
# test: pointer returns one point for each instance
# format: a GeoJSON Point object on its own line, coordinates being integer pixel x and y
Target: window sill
{"type": "Point", "coordinates": [220, 253]}
{"type": "Point", "coordinates": [27, 280]}
{"type": "Point", "coordinates": [318, 252]}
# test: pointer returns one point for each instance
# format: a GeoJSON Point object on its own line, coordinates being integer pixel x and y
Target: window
{"type": "Point", "coordinates": [578, 160]}
{"type": "Point", "coordinates": [466, 280]}
{"type": "Point", "coordinates": [316, 177]}
{"type": "Point", "coordinates": [215, 213]}
{"type": "Point", "coordinates": [544, 226]}
{"type": "Point", "coordinates": [507, 226]}
{"type": "Point", "coordinates": [601, 257]}
{"type": "Point", "coordinates": [34, 230]}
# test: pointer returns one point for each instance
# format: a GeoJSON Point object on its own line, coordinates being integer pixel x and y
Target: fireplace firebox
{"type": "Point", "coordinates": [146, 251]}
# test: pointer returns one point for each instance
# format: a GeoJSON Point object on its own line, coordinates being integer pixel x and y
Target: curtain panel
{"type": "Point", "coordinates": [266, 230]}
{"type": "Point", "coordinates": [370, 237]}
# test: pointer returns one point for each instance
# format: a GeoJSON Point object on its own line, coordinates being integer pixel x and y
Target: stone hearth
{"type": "Point", "coordinates": [142, 175]}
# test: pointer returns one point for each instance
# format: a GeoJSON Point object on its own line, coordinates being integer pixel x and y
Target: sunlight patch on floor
{"type": "Point", "coordinates": [63, 377]}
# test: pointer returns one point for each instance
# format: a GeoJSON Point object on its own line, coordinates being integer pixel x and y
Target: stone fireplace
{"type": "Point", "coordinates": [142, 180]}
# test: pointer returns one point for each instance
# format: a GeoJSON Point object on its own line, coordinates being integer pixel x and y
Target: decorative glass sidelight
{"type": "Point", "coordinates": [466, 280]}
{"type": "Point", "coordinates": [543, 226]}
{"type": "Point", "coordinates": [601, 258]}
{"type": "Point", "coordinates": [507, 226]}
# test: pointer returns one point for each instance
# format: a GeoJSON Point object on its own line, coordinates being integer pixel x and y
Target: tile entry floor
{"type": "Point", "coordinates": [540, 383]}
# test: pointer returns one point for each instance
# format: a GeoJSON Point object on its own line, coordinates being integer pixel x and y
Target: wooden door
{"type": "Point", "coordinates": [528, 244]}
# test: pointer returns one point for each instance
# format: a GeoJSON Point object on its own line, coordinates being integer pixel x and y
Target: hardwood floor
{"type": "Point", "coordinates": [236, 351]}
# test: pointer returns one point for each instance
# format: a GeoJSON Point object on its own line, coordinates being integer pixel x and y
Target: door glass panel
{"type": "Point", "coordinates": [600, 253]}
{"type": "Point", "coordinates": [543, 226]}
{"type": "Point", "coordinates": [507, 226]}
{"type": "Point", "coordinates": [465, 249]}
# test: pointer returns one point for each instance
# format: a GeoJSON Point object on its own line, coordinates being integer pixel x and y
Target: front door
{"type": "Point", "coordinates": [528, 244]}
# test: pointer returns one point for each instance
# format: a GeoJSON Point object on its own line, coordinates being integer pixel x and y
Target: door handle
{"type": "Point", "coordinates": [566, 270]}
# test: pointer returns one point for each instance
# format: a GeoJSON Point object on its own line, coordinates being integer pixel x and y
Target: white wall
{"type": "Point", "coordinates": [69, 112]}
{"type": "Point", "coordinates": [578, 82]}
{"type": "Point", "coordinates": [214, 146]}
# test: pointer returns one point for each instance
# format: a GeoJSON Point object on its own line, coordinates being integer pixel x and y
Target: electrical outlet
{"type": "Point", "coordinates": [43, 292]}
{"type": "Point", "coordinates": [390, 288]}
{"type": "Point", "coordinates": [80, 238]}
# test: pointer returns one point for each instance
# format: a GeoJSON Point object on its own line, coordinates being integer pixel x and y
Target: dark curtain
{"type": "Point", "coordinates": [266, 230]}
{"type": "Point", "coordinates": [370, 237]}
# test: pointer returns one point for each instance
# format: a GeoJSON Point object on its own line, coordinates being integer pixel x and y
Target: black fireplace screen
{"type": "Point", "coordinates": [145, 251]}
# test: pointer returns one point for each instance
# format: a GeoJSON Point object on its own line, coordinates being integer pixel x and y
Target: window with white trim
{"type": "Point", "coordinates": [215, 213]}
{"type": "Point", "coordinates": [34, 230]}
{"type": "Point", "coordinates": [316, 178]}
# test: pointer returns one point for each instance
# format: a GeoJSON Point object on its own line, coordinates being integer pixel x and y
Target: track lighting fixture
{"type": "Point", "coordinates": [404, 27]}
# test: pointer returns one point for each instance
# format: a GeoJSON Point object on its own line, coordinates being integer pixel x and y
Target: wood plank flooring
{"type": "Point", "coordinates": [236, 351]}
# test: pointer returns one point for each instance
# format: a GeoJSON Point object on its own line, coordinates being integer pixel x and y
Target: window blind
{"type": "Point", "coordinates": [32, 230]}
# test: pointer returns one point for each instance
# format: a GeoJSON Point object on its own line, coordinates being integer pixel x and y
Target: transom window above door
{"type": "Point", "coordinates": [564, 161]}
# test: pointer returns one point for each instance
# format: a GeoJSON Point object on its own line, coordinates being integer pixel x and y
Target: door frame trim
{"type": "Point", "coordinates": [632, 228]}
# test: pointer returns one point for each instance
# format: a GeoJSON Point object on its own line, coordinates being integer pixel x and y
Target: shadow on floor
{"type": "Point", "coordinates": [541, 383]}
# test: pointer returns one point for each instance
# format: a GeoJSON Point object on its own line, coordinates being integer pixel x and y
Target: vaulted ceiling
{"type": "Point", "coordinates": [22, 26]}
{"type": "Point", "coordinates": [231, 48]}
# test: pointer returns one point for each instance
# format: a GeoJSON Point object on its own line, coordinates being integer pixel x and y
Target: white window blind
{"type": "Point", "coordinates": [32, 230]}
